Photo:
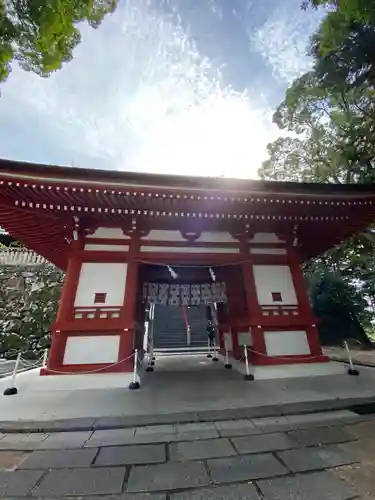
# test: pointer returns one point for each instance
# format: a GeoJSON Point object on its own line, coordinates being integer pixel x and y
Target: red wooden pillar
{"type": "Point", "coordinates": [305, 307]}
{"type": "Point", "coordinates": [128, 314]}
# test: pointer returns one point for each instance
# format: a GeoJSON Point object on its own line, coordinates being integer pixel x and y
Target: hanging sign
{"type": "Point", "coordinates": [184, 295]}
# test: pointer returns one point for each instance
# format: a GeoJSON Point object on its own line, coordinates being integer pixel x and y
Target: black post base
{"type": "Point", "coordinates": [149, 368]}
{"type": "Point", "coordinates": [152, 363]}
{"type": "Point", "coordinates": [134, 385]}
{"type": "Point", "coordinates": [249, 377]}
{"type": "Point", "coordinates": [215, 359]}
{"type": "Point", "coordinates": [353, 371]}
{"type": "Point", "coordinates": [153, 358]}
{"type": "Point", "coordinates": [10, 391]}
{"type": "Point", "coordinates": [228, 366]}
{"type": "Point", "coordinates": [209, 355]}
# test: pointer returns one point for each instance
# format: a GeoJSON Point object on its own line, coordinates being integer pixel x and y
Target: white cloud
{"type": "Point", "coordinates": [283, 41]}
{"type": "Point", "coordinates": [139, 96]}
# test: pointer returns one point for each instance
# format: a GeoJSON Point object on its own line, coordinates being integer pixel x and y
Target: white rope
{"type": "Point", "coordinates": [204, 266]}
{"type": "Point", "coordinates": [286, 358]}
{"type": "Point", "coordinates": [91, 371]}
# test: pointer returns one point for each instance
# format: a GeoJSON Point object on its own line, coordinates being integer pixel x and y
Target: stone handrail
{"type": "Point", "coordinates": [20, 257]}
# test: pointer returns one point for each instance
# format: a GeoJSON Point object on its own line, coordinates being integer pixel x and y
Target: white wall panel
{"type": "Point", "coordinates": [272, 278]}
{"type": "Point", "coordinates": [286, 343]}
{"type": "Point", "coordinates": [107, 248]}
{"type": "Point", "coordinates": [109, 232]}
{"type": "Point", "coordinates": [245, 338]}
{"type": "Point", "coordinates": [91, 350]}
{"type": "Point", "coordinates": [109, 278]}
{"type": "Point", "coordinates": [265, 238]}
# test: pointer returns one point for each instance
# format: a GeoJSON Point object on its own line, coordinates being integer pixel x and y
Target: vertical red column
{"type": "Point", "coordinates": [304, 306]}
{"type": "Point", "coordinates": [255, 314]}
{"type": "Point", "coordinates": [66, 306]}
{"type": "Point", "coordinates": [128, 314]}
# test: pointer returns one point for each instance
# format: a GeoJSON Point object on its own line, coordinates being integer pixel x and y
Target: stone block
{"type": "Point", "coordinates": [75, 482]}
{"type": "Point", "coordinates": [111, 437]}
{"type": "Point", "coordinates": [131, 455]}
{"type": "Point", "coordinates": [170, 476]}
{"type": "Point", "coordinates": [235, 492]}
{"type": "Point", "coordinates": [155, 429]}
{"type": "Point", "coordinates": [317, 457]}
{"type": "Point", "coordinates": [319, 435]}
{"type": "Point", "coordinates": [315, 486]}
{"type": "Point", "coordinates": [22, 441]}
{"type": "Point", "coordinates": [262, 443]}
{"type": "Point", "coordinates": [195, 435]}
{"type": "Point", "coordinates": [196, 450]}
{"type": "Point", "coordinates": [10, 460]}
{"type": "Point", "coordinates": [242, 427]}
{"type": "Point", "coordinates": [230, 470]}
{"type": "Point", "coordinates": [64, 440]}
{"type": "Point", "coordinates": [59, 459]}
{"type": "Point", "coordinates": [18, 483]}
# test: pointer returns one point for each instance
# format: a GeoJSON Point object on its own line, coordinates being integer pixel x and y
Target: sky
{"type": "Point", "coordinates": [169, 86]}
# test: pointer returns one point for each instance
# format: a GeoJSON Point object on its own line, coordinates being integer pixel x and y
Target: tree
{"type": "Point", "coordinates": [28, 305]}
{"type": "Point", "coordinates": [42, 34]}
{"type": "Point", "coordinates": [344, 45]}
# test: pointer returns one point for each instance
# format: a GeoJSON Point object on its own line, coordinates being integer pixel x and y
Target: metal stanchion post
{"type": "Point", "coordinates": [352, 370]}
{"type": "Point", "coordinates": [135, 384]}
{"type": "Point", "coordinates": [215, 358]}
{"type": "Point", "coordinates": [45, 357]}
{"type": "Point", "coordinates": [12, 389]}
{"type": "Point", "coordinates": [227, 365]}
{"type": "Point", "coordinates": [209, 355]}
{"type": "Point", "coordinates": [248, 375]}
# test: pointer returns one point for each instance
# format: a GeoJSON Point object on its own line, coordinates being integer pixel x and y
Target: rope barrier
{"type": "Point", "coordinates": [286, 358]}
{"type": "Point", "coordinates": [97, 370]}
{"type": "Point", "coordinates": [203, 266]}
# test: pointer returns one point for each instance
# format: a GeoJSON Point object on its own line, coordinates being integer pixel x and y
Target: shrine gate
{"type": "Point", "coordinates": [106, 229]}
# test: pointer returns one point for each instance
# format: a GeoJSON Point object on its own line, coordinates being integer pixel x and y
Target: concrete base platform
{"type": "Point", "coordinates": [188, 389]}
{"type": "Point", "coordinates": [288, 371]}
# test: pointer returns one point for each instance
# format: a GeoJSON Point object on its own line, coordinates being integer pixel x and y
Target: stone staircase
{"type": "Point", "coordinates": [170, 329]}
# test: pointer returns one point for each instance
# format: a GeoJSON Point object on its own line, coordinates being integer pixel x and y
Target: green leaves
{"type": "Point", "coordinates": [42, 34]}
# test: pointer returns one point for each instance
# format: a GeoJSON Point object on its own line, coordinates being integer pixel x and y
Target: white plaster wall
{"type": "Point", "coordinates": [228, 343]}
{"type": "Point", "coordinates": [274, 278]}
{"type": "Point", "coordinates": [269, 251]}
{"type": "Point", "coordinates": [189, 249]}
{"type": "Point", "coordinates": [107, 248]}
{"type": "Point", "coordinates": [286, 343]}
{"type": "Point", "coordinates": [216, 237]}
{"type": "Point", "coordinates": [91, 350]}
{"type": "Point", "coordinates": [245, 338]}
{"type": "Point", "coordinates": [163, 235]}
{"type": "Point", "coordinates": [109, 278]}
{"type": "Point", "coordinates": [109, 232]}
{"type": "Point", "coordinates": [265, 238]}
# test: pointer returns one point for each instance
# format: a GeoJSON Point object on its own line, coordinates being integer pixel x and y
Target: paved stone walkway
{"type": "Point", "coordinates": [298, 457]}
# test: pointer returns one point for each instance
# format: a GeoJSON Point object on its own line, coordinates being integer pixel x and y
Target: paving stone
{"type": "Point", "coordinates": [123, 496]}
{"type": "Point", "coordinates": [155, 429]}
{"type": "Point", "coordinates": [170, 476]}
{"type": "Point", "coordinates": [228, 470]}
{"type": "Point", "coordinates": [22, 441]}
{"type": "Point", "coordinates": [242, 427]}
{"type": "Point", "coordinates": [18, 483]}
{"type": "Point", "coordinates": [131, 455]}
{"type": "Point", "coordinates": [93, 481]}
{"type": "Point", "coordinates": [263, 442]}
{"type": "Point", "coordinates": [111, 437]}
{"type": "Point", "coordinates": [195, 450]}
{"type": "Point", "coordinates": [319, 435]}
{"type": "Point", "coordinates": [196, 427]}
{"type": "Point", "coordinates": [317, 457]}
{"type": "Point", "coordinates": [68, 425]}
{"type": "Point", "coordinates": [236, 492]}
{"type": "Point", "coordinates": [195, 435]}
{"type": "Point", "coordinates": [153, 439]}
{"type": "Point", "coordinates": [10, 460]}
{"type": "Point", "coordinates": [64, 440]}
{"type": "Point", "coordinates": [59, 459]}
{"type": "Point", "coordinates": [315, 486]}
